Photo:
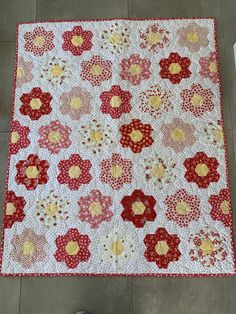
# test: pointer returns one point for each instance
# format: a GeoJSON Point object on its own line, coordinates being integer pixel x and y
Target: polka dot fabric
{"type": "Point", "coordinates": [117, 157]}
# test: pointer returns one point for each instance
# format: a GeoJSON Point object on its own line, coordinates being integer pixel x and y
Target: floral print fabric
{"type": "Point", "coordinates": [117, 151]}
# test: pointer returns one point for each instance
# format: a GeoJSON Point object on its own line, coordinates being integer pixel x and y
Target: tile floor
{"type": "Point", "coordinates": [118, 295]}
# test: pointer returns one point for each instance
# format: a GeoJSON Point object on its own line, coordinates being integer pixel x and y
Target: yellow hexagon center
{"type": "Point", "coordinates": [72, 248]}
{"type": "Point", "coordinates": [135, 69]}
{"type": "Point", "coordinates": [39, 41]}
{"type": "Point", "coordinates": [115, 102]}
{"type": "Point", "coordinates": [96, 70]}
{"type": "Point", "coordinates": [95, 136]}
{"type": "Point", "coordinates": [95, 208]}
{"type": "Point", "coordinates": [116, 39]}
{"type": "Point", "coordinates": [76, 103]}
{"type": "Point", "coordinates": [162, 248]}
{"type": "Point", "coordinates": [35, 103]}
{"type": "Point", "coordinates": [15, 137]}
{"type": "Point", "coordinates": [182, 208]}
{"type": "Point", "coordinates": [116, 171]}
{"type": "Point", "coordinates": [207, 247]}
{"type": "Point", "coordinates": [32, 172]}
{"type": "Point", "coordinates": [197, 100]}
{"type": "Point", "coordinates": [155, 101]}
{"type": "Point", "coordinates": [225, 206]}
{"type": "Point", "coordinates": [193, 37]}
{"type": "Point", "coordinates": [153, 38]}
{"type": "Point", "coordinates": [117, 248]}
{"type": "Point", "coordinates": [51, 209]}
{"type": "Point", "coordinates": [10, 209]}
{"type": "Point", "coordinates": [202, 170]}
{"type": "Point", "coordinates": [56, 70]}
{"type": "Point", "coordinates": [174, 68]}
{"type": "Point", "coordinates": [20, 72]}
{"type": "Point", "coordinates": [28, 248]}
{"type": "Point", "coordinates": [54, 137]}
{"type": "Point", "coordinates": [218, 134]}
{"type": "Point", "coordinates": [213, 67]}
{"type": "Point", "coordinates": [136, 135]}
{"type": "Point", "coordinates": [138, 208]}
{"type": "Point", "coordinates": [77, 41]}
{"type": "Point", "coordinates": [177, 135]}
{"type": "Point", "coordinates": [74, 172]}
{"type": "Point", "coordinates": [158, 170]}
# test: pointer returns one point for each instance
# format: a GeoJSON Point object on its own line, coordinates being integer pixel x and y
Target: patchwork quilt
{"type": "Point", "coordinates": [117, 158]}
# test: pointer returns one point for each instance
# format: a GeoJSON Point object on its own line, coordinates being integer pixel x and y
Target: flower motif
{"type": "Point", "coordinates": [52, 209]}
{"type": "Point", "coordinates": [115, 101]}
{"type": "Point", "coordinates": [77, 41]}
{"type": "Point", "coordinates": [19, 137]}
{"type": "Point", "coordinates": [24, 72]}
{"type": "Point", "coordinates": [209, 67]}
{"type": "Point", "coordinates": [117, 248]}
{"type": "Point", "coordinates": [94, 208]}
{"type": "Point", "coordinates": [154, 38]}
{"type": "Point", "coordinates": [193, 37]}
{"type": "Point", "coordinates": [96, 70]}
{"type": "Point", "coordinates": [116, 39]}
{"type": "Point", "coordinates": [14, 209]}
{"type": "Point", "coordinates": [214, 134]}
{"type": "Point", "coordinates": [202, 170]}
{"type": "Point", "coordinates": [36, 103]}
{"type": "Point", "coordinates": [175, 68]}
{"type": "Point", "coordinates": [32, 172]}
{"type": "Point", "coordinates": [182, 208]}
{"type": "Point", "coordinates": [159, 171]}
{"type": "Point", "coordinates": [138, 208]}
{"type": "Point", "coordinates": [197, 100]}
{"type": "Point", "coordinates": [207, 247]}
{"type": "Point", "coordinates": [221, 209]}
{"type": "Point", "coordinates": [28, 248]}
{"type": "Point", "coordinates": [96, 136]}
{"type": "Point", "coordinates": [39, 41]}
{"type": "Point", "coordinates": [156, 101]}
{"type": "Point", "coordinates": [74, 172]}
{"type": "Point", "coordinates": [76, 103]}
{"type": "Point", "coordinates": [135, 69]}
{"type": "Point", "coordinates": [72, 248]}
{"type": "Point", "coordinates": [162, 248]}
{"type": "Point", "coordinates": [116, 171]}
{"type": "Point", "coordinates": [56, 71]}
{"type": "Point", "coordinates": [178, 135]}
{"type": "Point", "coordinates": [54, 136]}
{"type": "Point", "coordinates": [136, 135]}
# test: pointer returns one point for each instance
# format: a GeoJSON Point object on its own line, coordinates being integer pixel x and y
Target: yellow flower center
{"type": "Point", "coordinates": [28, 248]}
{"type": "Point", "coordinates": [225, 206]}
{"type": "Point", "coordinates": [138, 208]}
{"type": "Point", "coordinates": [96, 70]}
{"type": "Point", "coordinates": [158, 170]}
{"type": "Point", "coordinates": [174, 68]}
{"type": "Point", "coordinates": [77, 41]}
{"type": "Point", "coordinates": [74, 172]}
{"type": "Point", "coordinates": [178, 135]}
{"type": "Point", "coordinates": [10, 209]}
{"type": "Point", "coordinates": [202, 170]}
{"type": "Point", "coordinates": [116, 171]}
{"type": "Point", "coordinates": [115, 101]}
{"type": "Point", "coordinates": [76, 103]}
{"type": "Point", "coordinates": [135, 69]}
{"type": "Point", "coordinates": [136, 135]}
{"type": "Point", "coordinates": [35, 103]}
{"type": "Point", "coordinates": [213, 67]}
{"type": "Point", "coordinates": [51, 209]}
{"type": "Point", "coordinates": [155, 101]}
{"type": "Point", "coordinates": [117, 248]}
{"type": "Point", "coordinates": [116, 39]}
{"type": "Point", "coordinates": [20, 72]}
{"type": "Point", "coordinates": [96, 136]}
{"type": "Point", "coordinates": [162, 248]}
{"type": "Point", "coordinates": [193, 37]}
{"type": "Point", "coordinates": [15, 137]}
{"type": "Point", "coordinates": [153, 38]}
{"type": "Point", "coordinates": [32, 172]}
{"type": "Point", "coordinates": [39, 41]}
{"type": "Point", "coordinates": [54, 137]}
{"type": "Point", "coordinates": [182, 208]}
{"type": "Point", "coordinates": [72, 248]}
{"type": "Point", "coordinates": [197, 100]}
{"type": "Point", "coordinates": [56, 70]}
{"type": "Point", "coordinates": [95, 208]}
{"type": "Point", "coordinates": [207, 247]}
{"type": "Point", "coordinates": [219, 134]}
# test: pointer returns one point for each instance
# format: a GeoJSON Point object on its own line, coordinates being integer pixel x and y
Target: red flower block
{"type": "Point", "coordinates": [19, 137]}
{"type": "Point", "coordinates": [221, 209]}
{"type": "Point", "coordinates": [13, 209]}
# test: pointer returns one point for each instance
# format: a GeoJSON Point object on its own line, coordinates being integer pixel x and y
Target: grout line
{"type": "Point", "coordinates": [36, 13]}
{"type": "Point", "coordinates": [128, 7]}
{"type": "Point", "coordinates": [7, 41]}
{"type": "Point", "coordinates": [20, 295]}
{"type": "Point", "coordinates": [132, 300]}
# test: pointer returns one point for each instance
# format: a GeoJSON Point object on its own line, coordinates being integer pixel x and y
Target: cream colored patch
{"type": "Point", "coordinates": [162, 248]}
{"type": "Point", "coordinates": [177, 135]}
{"type": "Point", "coordinates": [135, 69]}
{"type": "Point", "coordinates": [213, 67]}
{"type": "Point", "coordinates": [96, 70]}
{"type": "Point", "coordinates": [225, 206]}
{"type": "Point", "coordinates": [95, 208]}
{"type": "Point", "coordinates": [155, 101]}
{"type": "Point", "coordinates": [15, 137]}
{"type": "Point", "coordinates": [76, 103]}
{"type": "Point", "coordinates": [182, 208]}
{"type": "Point", "coordinates": [74, 172]}
{"type": "Point", "coordinates": [115, 102]}
{"type": "Point", "coordinates": [174, 68]}
{"type": "Point", "coordinates": [202, 170]}
{"type": "Point", "coordinates": [158, 170]}
{"type": "Point", "coordinates": [218, 134]}
{"type": "Point", "coordinates": [20, 72]}
{"type": "Point", "coordinates": [116, 39]}
{"type": "Point", "coordinates": [77, 41]}
{"type": "Point", "coordinates": [32, 172]}
{"type": "Point", "coordinates": [10, 209]}
{"type": "Point", "coordinates": [54, 137]}
{"type": "Point", "coordinates": [117, 248]}
{"type": "Point", "coordinates": [39, 41]}
{"type": "Point", "coordinates": [154, 38]}
{"type": "Point", "coordinates": [51, 209]}
{"type": "Point", "coordinates": [28, 248]}
{"type": "Point", "coordinates": [35, 103]}
{"type": "Point", "coordinates": [193, 37]}
{"type": "Point", "coordinates": [136, 135]}
{"type": "Point", "coordinates": [96, 136]}
{"type": "Point", "coordinates": [207, 247]}
{"type": "Point", "coordinates": [197, 100]}
{"type": "Point", "coordinates": [72, 248]}
{"type": "Point", "coordinates": [56, 70]}
{"type": "Point", "coordinates": [116, 171]}
{"type": "Point", "coordinates": [138, 208]}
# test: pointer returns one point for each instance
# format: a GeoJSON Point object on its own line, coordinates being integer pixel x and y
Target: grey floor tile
{"type": "Point", "coordinates": [184, 295]}
{"type": "Point", "coordinates": [79, 9]}
{"type": "Point", "coordinates": [14, 11]}
{"type": "Point", "coordinates": [10, 295]}
{"type": "Point", "coordinates": [228, 9]}
{"type": "Point", "coordinates": [66, 295]}
{"type": "Point", "coordinates": [7, 59]}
